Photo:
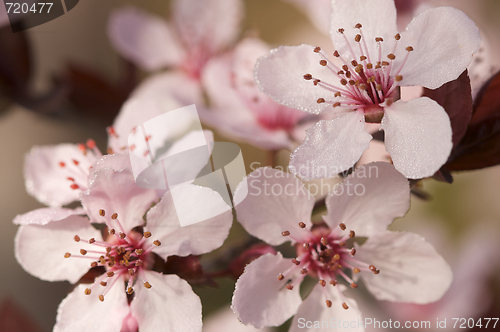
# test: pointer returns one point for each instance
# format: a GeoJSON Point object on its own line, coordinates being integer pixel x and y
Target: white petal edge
{"type": "Point", "coordinates": [44, 216]}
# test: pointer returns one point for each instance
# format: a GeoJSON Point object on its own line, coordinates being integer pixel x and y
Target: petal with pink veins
{"type": "Point", "coordinates": [280, 75]}
{"type": "Point", "coordinates": [331, 147]}
{"type": "Point", "coordinates": [260, 299]}
{"type": "Point", "coordinates": [115, 192]}
{"type": "Point", "coordinates": [436, 60]}
{"type": "Point", "coordinates": [410, 268]}
{"type": "Point", "coordinates": [214, 218]}
{"type": "Point", "coordinates": [170, 304]}
{"type": "Point", "coordinates": [50, 171]}
{"type": "Point", "coordinates": [314, 309]}
{"type": "Point", "coordinates": [44, 216]}
{"type": "Point", "coordinates": [418, 136]}
{"type": "Point", "coordinates": [41, 249]}
{"type": "Point", "coordinates": [144, 39]}
{"type": "Point", "coordinates": [369, 199]}
{"type": "Point", "coordinates": [276, 202]}
{"type": "Point", "coordinates": [80, 313]}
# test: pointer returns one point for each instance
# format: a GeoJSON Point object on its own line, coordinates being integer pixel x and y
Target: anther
{"type": "Point", "coordinates": [92, 240]}
{"type": "Point", "coordinates": [112, 231]}
{"type": "Point", "coordinates": [409, 48]}
{"type": "Point", "coordinates": [356, 270]}
{"type": "Point", "coordinates": [317, 49]}
{"type": "Point", "coordinates": [323, 62]}
{"type": "Point", "coordinates": [341, 30]}
{"type": "Point", "coordinates": [147, 285]}
{"type": "Point", "coordinates": [93, 264]}
{"type": "Point", "coordinates": [348, 74]}
{"type": "Point", "coordinates": [342, 244]}
{"type": "Point", "coordinates": [398, 78]}
{"type": "Point", "coordinates": [336, 54]}
{"type": "Point", "coordinates": [131, 272]}
{"type": "Point", "coordinates": [306, 245]}
{"type": "Point", "coordinates": [295, 261]}
{"type": "Point", "coordinates": [352, 82]}
{"type": "Point", "coordinates": [130, 290]}
{"type": "Point", "coordinates": [315, 82]}
{"type": "Point", "coordinates": [342, 226]}
{"type": "Point", "coordinates": [379, 39]}
{"type": "Point", "coordinates": [362, 58]}
{"type": "Point", "coordinates": [70, 179]}
{"type": "Point", "coordinates": [102, 213]}
{"type": "Point", "coordinates": [336, 257]}
{"type": "Point", "coordinates": [358, 26]}
{"type": "Point", "coordinates": [353, 285]}
{"type": "Point", "coordinates": [289, 287]}
{"type": "Point", "coordinates": [302, 225]}
{"type": "Point", "coordinates": [333, 282]}
{"type": "Point", "coordinates": [76, 162]}
{"type": "Point", "coordinates": [353, 252]}
{"type": "Point", "coordinates": [74, 186]}
{"type": "Point", "coordinates": [328, 303]}
{"type": "Point", "coordinates": [345, 67]}
{"type": "Point", "coordinates": [304, 271]}
{"type": "Point", "coordinates": [337, 94]}
{"type": "Point", "coordinates": [397, 36]}
{"type": "Point", "coordinates": [391, 56]}
{"type": "Point", "coordinates": [336, 104]}
{"type": "Point", "coordinates": [324, 241]}
{"type": "Point", "coordinates": [147, 234]}
{"type": "Point", "coordinates": [122, 235]}
{"type": "Point", "coordinates": [83, 252]}
{"type": "Point", "coordinates": [114, 216]}
{"type": "Point", "coordinates": [281, 277]}
{"type": "Point", "coordinates": [369, 66]}
{"type": "Point", "coordinates": [385, 63]}
{"type": "Point", "coordinates": [110, 274]}
{"type": "Point", "coordinates": [352, 234]}
{"type": "Point", "coordinates": [67, 255]}
{"type": "Point", "coordinates": [157, 243]}
{"type": "Point", "coordinates": [357, 38]}
{"type": "Point", "coordinates": [286, 233]}
{"type": "Point", "coordinates": [88, 291]}
{"type": "Point", "coordinates": [101, 298]}
{"type": "Point", "coordinates": [138, 262]}
{"type": "Point", "coordinates": [138, 251]}
{"type": "Point", "coordinates": [322, 282]}
{"type": "Point", "coordinates": [61, 164]}
{"type": "Point", "coordinates": [308, 77]}
{"type": "Point", "coordinates": [345, 306]}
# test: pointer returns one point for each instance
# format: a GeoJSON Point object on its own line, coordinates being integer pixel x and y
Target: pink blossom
{"type": "Point", "coordinates": [395, 266]}
{"type": "Point", "coordinates": [240, 110]}
{"type": "Point", "coordinates": [371, 62]}
{"type": "Point", "coordinates": [57, 244]}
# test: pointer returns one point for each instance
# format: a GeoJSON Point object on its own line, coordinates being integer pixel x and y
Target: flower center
{"type": "Point", "coordinates": [124, 256]}
{"type": "Point", "coordinates": [324, 256]}
{"type": "Point", "coordinates": [367, 81]}
{"type": "Point", "coordinates": [77, 171]}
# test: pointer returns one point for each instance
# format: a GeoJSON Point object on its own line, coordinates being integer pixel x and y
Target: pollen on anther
{"type": "Point", "coordinates": [353, 252]}
{"type": "Point", "coordinates": [357, 38]}
{"type": "Point", "coordinates": [93, 264]}
{"type": "Point", "coordinates": [112, 231]}
{"type": "Point", "coordinates": [342, 226]}
{"type": "Point", "coordinates": [409, 48]}
{"type": "Point", "coordinates": [362, 58]}
{"type": "Point", "coordinates": [322, 282]}
{"type": "Point", "coordinates": [83, 252]}
{"type": "Point", "coordinates": [101, 298]}
{"type": "Point", "coordinates": [337, 104]}
{"type": "Point", "coordinates": [398, 78]}
{"type": "Point", "coordinates": [345, 306]}
{"type": "Point", "coordinates": [289, 287]}
{"type": "Point", "coordinates": [102, 213]}
{"type": "Point", "coordinates": [379, 39]}
{"type": "Point", "coordinates": [147, 234]}
{"type": "Point", "coordinates": [285, 233]}
{"type": "Point", "coordinates": [130, 290]}
{"type": "Point", "coordinates": [61, 164]}
{"type": "Point", "coordinates": [114, 216]}
{"type": "Point", "coordinates": [147, 285]}
{"type": "Point", "coordinates": [74, 186]}
{"type": "Point", "coordinates": [295, 261]}
{"type": "Point", "coordinates": [391, 56]}
{"type": "Point", "coordinates": [352, 234]}
{"type": "Point", "coordinates": [356, 270]}
{"type": "Point", "coordinates": [328, 303]}
{"type": "Point", "coordinates": [67, 255]}
{"type": "Point", "coordinates": [315, 82]}
{"type": "Point", "coordinates": [122, 235]}
{"type": "Point", "coordinates": [337, 94]}
{"type": "Point", "coordinates": [333, 283]}
{"type": "Point", "coordinates": [317, 49]}
{"type": "Point", "coordinates": [306, 245]}
{"type": "Point", "coordinates": [358, 26]}
{"type": "Point", "coordinates": [323, 62]}
{"type": "Point", "coordinates": [308, 77]}
{"type": "Point", "coordinates": [157, 243]}
{"type": "Point", "coordinates": [341, 30]}
{"type": "Point", "coordinates": [88, 291]}
{"type": "Point", "coordinates": [104, 283]}
{"type": "Point", "coordinates": [281, 277]}
{"type": "Point", "coordinates": [304, 271]}
{"type": "Point", "coordinates": [336, 257]}
{"type": "Point", "coordinates": [397, 36]}
{"type": "Point", "coordinates": [319, 101]}
{"type": "Point", "coordinates": [92, 240]}
{"type": "Point", "coordinates": [336, 54]}
{"type": "Point", "coordinates": [324, 241]}
{"type": "Point", "coordinates": [353, 285]}
{"type": "Point", "coordinates": [110, 274]}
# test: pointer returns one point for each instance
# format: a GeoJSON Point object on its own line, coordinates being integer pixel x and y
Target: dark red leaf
{"type": "Point", "coordinates": [456, 99]}
{"type": "Point", "coordinates": [14, 319]}
{"type": "Point", "coordinates": [487, 102]}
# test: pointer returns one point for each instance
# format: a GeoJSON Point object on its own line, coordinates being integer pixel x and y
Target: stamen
{"type": "Point", "coordinates": [285, 233]}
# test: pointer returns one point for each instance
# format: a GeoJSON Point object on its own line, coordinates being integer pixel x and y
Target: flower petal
{"type": "Point", "coordinates": [47, 169]}
{"type": "Point", "coordinates": [117, 192]}
{"type": "Point", "coordinates": [260, 299]}
{"type": "Point", "coordinates": [369, 199]}
{"type": "Point", "coordinates": [314, 309]}
{"type": "Point", "coordinates": [275, 202]}
{"type": "Point", "coordinates": [436, 60]}
{"type": "Point", "coordinates": [378, 19]}
{"type": "Point", "coordinates": [417, 136]}
{"type": "Point", "coordinates": [224, 320]}
{"type": "Point", "coordinates": [208, 26]}
{"type": "Point", "coordinates": [116, 161]}
{"type": "Point", "coordinates": [280, 75]}
{"type": "Point", "coordinates": [331, 147]}
{"type": "Point", "coordinates": [170, 305]}
{"type": "Point", "coordinates": [80, 313]}
{"type": "Point", "coordinates": [40, 249]}
{"type": "Point", "coordinates": [208, 223]}
{"type": "Point", "coordinates": [144, 39]}
{"type": "Point", "coordinates": [410, 268]}
{"type": "Point", "coordinates": [44, 216]}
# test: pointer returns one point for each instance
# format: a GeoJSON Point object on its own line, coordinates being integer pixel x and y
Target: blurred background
{"type": "Point", "coordinates": [74, 84]}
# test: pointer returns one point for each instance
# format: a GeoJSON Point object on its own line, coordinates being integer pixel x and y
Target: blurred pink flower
{"type": "Point", "coordinates": [395, 266]}
{"type": "Point", "coordinates": [56, 244]}
{"type": "Point", "coordinates": [417, 132]}
{"type": "Point", "coordinates": [240, 110]}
